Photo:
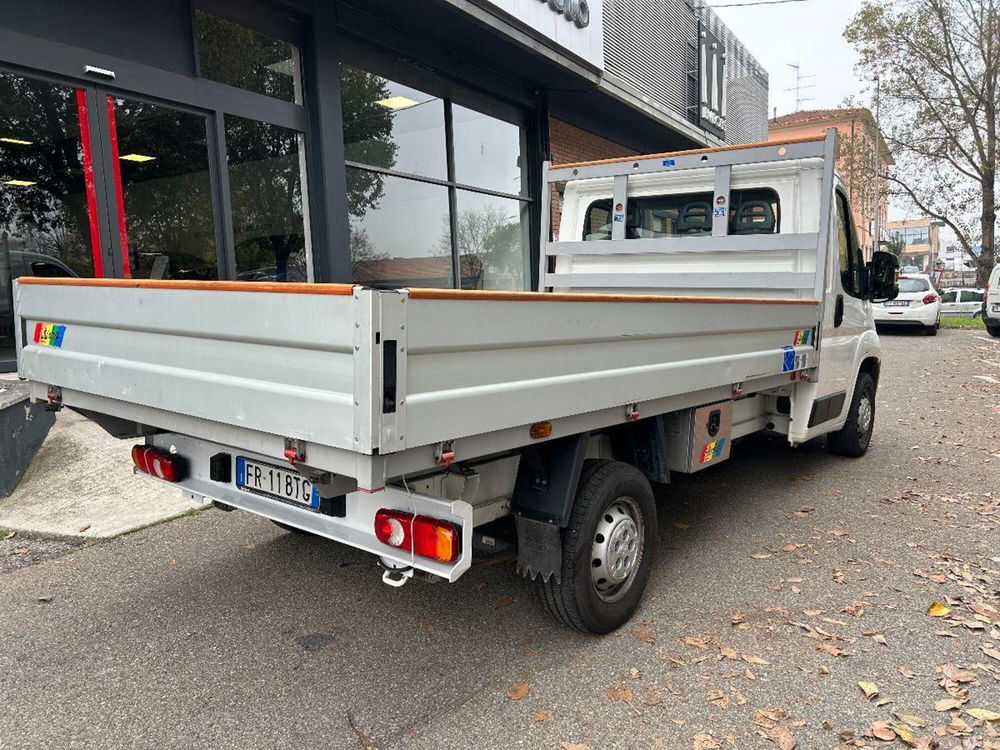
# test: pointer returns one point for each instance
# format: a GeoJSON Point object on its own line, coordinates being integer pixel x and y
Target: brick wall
{"type": "Point", "coordinates": [569, 144]}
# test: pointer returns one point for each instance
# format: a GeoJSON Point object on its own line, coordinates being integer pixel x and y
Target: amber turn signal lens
{"type": "Point", "coordinates": [540, 430]}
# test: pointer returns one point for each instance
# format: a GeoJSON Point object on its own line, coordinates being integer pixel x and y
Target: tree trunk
{"type": "Point", "coordinates": [988, 222]}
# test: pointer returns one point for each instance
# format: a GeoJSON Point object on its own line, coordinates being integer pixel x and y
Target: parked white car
{"type": "Point", "coordinates": [918, 304]}
{"type": "Point", "coordinates": [962, 301]}
{"type": "Point", "coordinates": [910, 269]}
{"type": "Point", "coordinates": [991, 303]}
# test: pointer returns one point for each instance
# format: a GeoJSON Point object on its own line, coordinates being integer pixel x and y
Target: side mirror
{"type": "Point", "coordinates": [883, 273]}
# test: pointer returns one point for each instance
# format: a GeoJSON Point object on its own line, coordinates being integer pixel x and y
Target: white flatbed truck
{"type": "Point", "coordinates": [693, 298]}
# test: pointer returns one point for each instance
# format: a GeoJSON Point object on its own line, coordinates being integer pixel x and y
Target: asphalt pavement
{"type": "Point", "coordinates": [783, 578]}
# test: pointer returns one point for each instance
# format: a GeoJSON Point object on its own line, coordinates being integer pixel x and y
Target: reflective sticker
{"type": "Point", "coordinates": [49, 334]}
{"type": "Point", "coordinates": [669, 162]}
{"type": "Point", "coordinates": [720, 211]}
{"type": "Point", "coordinates": [712, 451]}
{"type": "Point", "coordinates": [619, 218]}
{"type": "Point", "coordinates": [802, 337]}
{"type": "Point", "coordinates": [788, 361]}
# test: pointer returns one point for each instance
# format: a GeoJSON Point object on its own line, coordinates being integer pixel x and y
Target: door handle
{"type": "Point", "coordinates": [838, 311]}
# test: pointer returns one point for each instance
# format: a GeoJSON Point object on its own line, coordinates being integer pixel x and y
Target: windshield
{"type": "Point", "coordinates": [913, 285]}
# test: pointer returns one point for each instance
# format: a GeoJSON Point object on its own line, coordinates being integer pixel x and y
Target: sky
{"type": "Point", "coordinates": [809, 33]}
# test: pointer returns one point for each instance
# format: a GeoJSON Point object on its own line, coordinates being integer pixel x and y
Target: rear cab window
{"type": "Point", "coordinates": [754, 211]}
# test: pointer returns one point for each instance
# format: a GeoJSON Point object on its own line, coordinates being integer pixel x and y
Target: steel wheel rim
{"type": "Point", "coordinates": [617, 548]}
{"type": "Point", "coordinates": [865, 414]}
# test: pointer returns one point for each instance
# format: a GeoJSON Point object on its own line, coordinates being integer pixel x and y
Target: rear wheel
{"type": "Point", "coordinates": [993, 331]}
{"type": "Point", "coordinates": [853, 438]}
{"type": "Point", "coordinates": [932, 330]}
{"type": "Point", "coordinates": [607, 549]}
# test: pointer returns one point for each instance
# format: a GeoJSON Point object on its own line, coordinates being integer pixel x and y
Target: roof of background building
{"type": "Point", "coordinates": [820, 116]}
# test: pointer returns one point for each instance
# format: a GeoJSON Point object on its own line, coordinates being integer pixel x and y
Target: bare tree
{"type": "Point", "coordinates": [938, 62]}
{"type": "Point", "coordinates": [488, 239]}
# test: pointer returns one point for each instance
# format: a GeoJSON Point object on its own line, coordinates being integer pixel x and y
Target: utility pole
{"type": "Point", "coordinates": [799, 87]}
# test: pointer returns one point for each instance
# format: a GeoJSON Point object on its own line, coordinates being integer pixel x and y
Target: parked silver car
{"type": "Point", "coordinates": [962, 301]}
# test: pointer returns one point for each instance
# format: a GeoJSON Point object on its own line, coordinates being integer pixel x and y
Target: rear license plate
{"type": "Point", "coordinates": [275, 482]}
{"type": "Point", "coordinates": [996, 307]}
{"type": "Point", "coordinates": [898, 303]}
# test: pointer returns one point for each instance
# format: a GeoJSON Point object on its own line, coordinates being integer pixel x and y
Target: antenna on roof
{"type": "Point", "coordinates": [799, 87]}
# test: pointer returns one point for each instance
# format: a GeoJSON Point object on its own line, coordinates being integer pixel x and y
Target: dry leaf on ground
{"type": "Point", "coordinates": [518, 691]}
{"type": "Point", "coordinates": [937, 609]}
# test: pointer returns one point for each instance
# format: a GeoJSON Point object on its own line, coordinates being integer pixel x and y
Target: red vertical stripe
{"type": "Point", "coordinates": [88, 182]}
{"type": "Point", "coordinates": [119, 195]}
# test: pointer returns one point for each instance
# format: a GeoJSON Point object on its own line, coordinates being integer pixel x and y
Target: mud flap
{"type": "Point", "coordinates": [539, 549]}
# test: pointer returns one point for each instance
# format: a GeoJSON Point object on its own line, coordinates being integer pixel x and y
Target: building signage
{"type": "Point", "coordinates": [575, 26]}
{"type": "Point", "coordinates": [712, 82]}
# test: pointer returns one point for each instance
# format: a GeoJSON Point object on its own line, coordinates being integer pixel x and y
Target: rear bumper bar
{"type": "Point", "coordinates": [355, 529]}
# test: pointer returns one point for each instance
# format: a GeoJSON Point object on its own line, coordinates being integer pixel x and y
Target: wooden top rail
{"type": "Point", "coordinates": [213, 286]}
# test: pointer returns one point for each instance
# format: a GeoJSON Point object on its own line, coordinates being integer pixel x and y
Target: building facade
{"type": "Point", "coordinates": [863, 159]}
{"type": "Point", "coordinates": [920, 241]}
{"type": "Point", "coordinates": [384, 143]}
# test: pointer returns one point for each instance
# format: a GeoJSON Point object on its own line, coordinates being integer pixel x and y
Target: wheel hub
{"type": "Point", "coordinates": [617, 548]}
{"type": "Point", "coordinates": [864, 416]}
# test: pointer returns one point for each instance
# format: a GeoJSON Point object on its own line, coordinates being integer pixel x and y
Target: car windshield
{"type": "Point", "coordinates": [913, 285]}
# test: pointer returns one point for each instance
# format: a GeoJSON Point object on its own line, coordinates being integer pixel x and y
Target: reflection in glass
{"type": "Point", "coordinates": [391, 126]}
{"type": "Point", "coordinates": [492, 239]}
{"type": "Point", "coordinates": [44, 222]}
{"type": "Point", "coordinates": [267, 196]}
{"type": "Point", "coordinates": [162, 160]}
{"type": "Point", "coordinates": [488, 152]}
{"type": "Point", "coordinates": [403, 238]}
{"type": "Point", "coordinates": [238, 56]}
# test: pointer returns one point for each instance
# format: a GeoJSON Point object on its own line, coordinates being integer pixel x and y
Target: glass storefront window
{"type": "Point", "coordinates": [489, 153]}
{"type": "Point", "coordinates": [233, 54]}
{"type": "Point", "coordinates": [492, 233]}
{"type": "Point", "coordinates": [432, 154]}
{"type": "Point", "coordinates": [404, 239]}
{"type": "Point", "coordinates": [168, 225]}
{"type": "Point", "coordinates": [45, 222]}
{"type": "Point", "coordinates": [392, 126]}
{"type": "Point", "coordinates": [267, 194]}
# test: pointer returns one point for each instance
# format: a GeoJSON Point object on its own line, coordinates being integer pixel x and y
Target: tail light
{"type": "Point", "coordinates": [930, 298]}
{"type": "Point", "coordinates": [424, 536]}
{"type": "Point", "coordinates": [159, 464]}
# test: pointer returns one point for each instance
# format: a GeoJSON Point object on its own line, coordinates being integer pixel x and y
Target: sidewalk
{"type": "Point", "coordinates": [80, 484]}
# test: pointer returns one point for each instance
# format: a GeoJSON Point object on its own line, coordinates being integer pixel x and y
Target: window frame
{"type": "Point", "coordinates": [450, 93]}
{"type": "Point", "coordinates": [856, 260]}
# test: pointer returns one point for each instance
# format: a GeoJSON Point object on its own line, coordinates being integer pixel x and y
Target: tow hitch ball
{"type": "Point", "coordinates": [395, 574]}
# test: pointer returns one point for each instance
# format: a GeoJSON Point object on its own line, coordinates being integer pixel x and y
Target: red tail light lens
{"type": "Point", "coordinates": [930, 298]}
{"type": "Point", "coordinates": [159, 464]}
{"type": "Point", "coordinates": [422, 535]}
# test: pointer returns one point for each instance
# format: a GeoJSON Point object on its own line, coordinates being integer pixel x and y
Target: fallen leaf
{"type": "Point", "coordinates": [751, 659]}
{"type": "Point", "coordinates": [882, 730]}
{"type": "Point", "coordinates": [574, 746]}
{"type": "Point", "coordinates": [45, 598]}
{"type": "Point", "coordinates": [955, 674]}
{"type": "Point", "coordinates": [905, 734]}
{"type": "Point", "coordinates": [870, 689]}
{"type": "Point", "coordinates": [518, 691]}
{"type": "Point", "coordinates": [645, 635]}
{"type": "Point", "coordinates": [982, 714]}
{"type": "Point", "coordinates": [831, 649]}
{"type": "Point", "coordinates": [990, 650]}
{"type": "Point", "coordinates": [908, 673]}
{"type": "Point", "coordinates": [947, 704]}
{"type": "Point", "coordinates": [541, 715]}
{"type": "Point", "coordinates": [913, 721]}
{"type": "Point", "coordinates": [761, 555]}
{"type": "Point", "coordinates": [503, 601]}
{"type": "Point", "coordinates": [784, 738]}
{"type": "Point", "coordinates": [704, 742]}
{"type": "Point", "coordinates": [620, 693]}
{"type": "Point", "coordinates": [937, 609]}
{"type": "Point", "coordinates": [695, 642]}
{"type": "Point", "coordinates": [84, 527]}
{"type": "Point", "coordinates": [878, 638]}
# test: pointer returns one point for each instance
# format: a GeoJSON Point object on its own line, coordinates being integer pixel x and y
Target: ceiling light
{"type": "Point", "coordinates": [397, 102]}
{"type": "Point", "coordinates": [19, 183]}
{"type": "Point", "coordinates": [16, 141]}
{"type": "Point", "coordinates": [136, 157]}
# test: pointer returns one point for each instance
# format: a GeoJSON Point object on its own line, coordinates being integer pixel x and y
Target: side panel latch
{"type": "Point", "coordinates": [444, 453]}
{"type": "Point", "coordinates": [295, 451]}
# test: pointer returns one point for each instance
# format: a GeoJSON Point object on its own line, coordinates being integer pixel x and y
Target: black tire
{"type": "Point", "coordinates": [932, 330]}
{"type": "Point", "coordinates": [993, 331]}
{"type": "Point", "coordinates": [607, 490]}
{"type": "Point", "coordinates": [852, 439]}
